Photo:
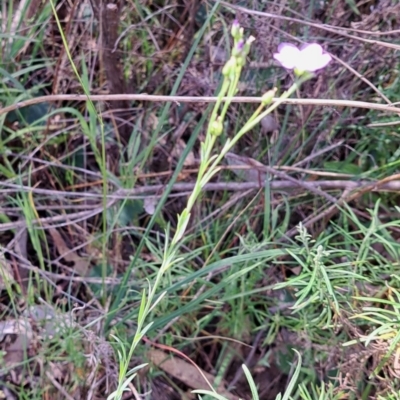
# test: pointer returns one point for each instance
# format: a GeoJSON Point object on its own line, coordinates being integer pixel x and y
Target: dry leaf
{"type": "Point", "coordinates": [22, 334]}
{"type": "Point", "coordinates": [81, 266]}
{"type": "Point", "coordinates": [151, 122]}
{"type": "Point", "coordinates": [177, 151]}
{"type": "Point", "coordinates": [185, 372]}
{"type": "Point", "coordinates": [150, 203]}
{"type": "Point", "coordinates": [269, 124]}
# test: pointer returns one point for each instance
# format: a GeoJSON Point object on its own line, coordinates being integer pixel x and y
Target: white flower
{"type": "Point", "coordinates": [310, 57]}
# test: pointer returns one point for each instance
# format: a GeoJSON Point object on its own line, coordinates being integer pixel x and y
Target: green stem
{"type": "Point", "coordinates": [252, 123]}
{"type": "Point", "coordinates": [221, 95]}
{"type": "Point", "coordinates": [232, 90]}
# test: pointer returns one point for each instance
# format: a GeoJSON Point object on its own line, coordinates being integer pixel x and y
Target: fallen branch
{"type": "Point", "coordinates": [183, 188]}
{"type": "Point", "coordinates": [193, 99]}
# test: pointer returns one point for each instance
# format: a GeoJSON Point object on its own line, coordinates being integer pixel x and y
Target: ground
{"type": "Point", "coordinates": [289, 261]}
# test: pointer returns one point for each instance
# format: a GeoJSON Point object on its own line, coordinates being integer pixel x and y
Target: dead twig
{"type": "Point", "coordinates": [183, 189]}
{"type": "Point", "coordinates": [109, 15]}
{"type": "Point", "coordinates": [346, 197]}
{"type": "Point", "coordinates": [195, 99]}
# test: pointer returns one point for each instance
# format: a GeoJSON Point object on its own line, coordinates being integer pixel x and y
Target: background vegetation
{"type": "Point", "coordinates": [293, 248]}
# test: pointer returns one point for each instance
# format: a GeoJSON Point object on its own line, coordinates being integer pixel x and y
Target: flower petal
{"type": "Point", "coordinates": [319, 63]}
{"type": "Point", "coordinates": [285, 45]}
{"type": "Point", "coordinates": [312, 58]}
{"type": "Point", "coordinates": [311, 49]}
{"type": "Point", "coordinates": [288, 55]}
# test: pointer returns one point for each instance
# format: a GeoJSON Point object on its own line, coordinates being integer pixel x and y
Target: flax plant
{"type": "Point", "coordinates": [209, 166]}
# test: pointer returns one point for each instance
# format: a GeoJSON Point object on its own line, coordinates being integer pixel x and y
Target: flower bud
{"type": "Point", "coordinates": [216, 127]}
{"type": "Point", "coordinates": [235, 30]}
{"type": "Point", "coordinates": [241, 61]}
{"type": "Point", "coordinates": [247, 45]}
{"type": "Point", "coordinates": [229, 68]}
{"type": "Point", "coordinates": [267, 97]}
{"type": "Point", "coordinates": [238, 49]}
